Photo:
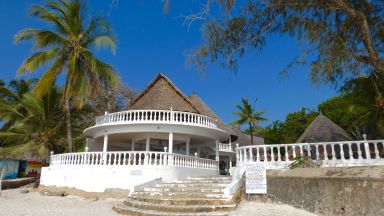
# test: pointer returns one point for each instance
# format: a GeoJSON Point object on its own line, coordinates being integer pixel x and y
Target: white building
{"type": "Point", "coordinates": [163, 134]}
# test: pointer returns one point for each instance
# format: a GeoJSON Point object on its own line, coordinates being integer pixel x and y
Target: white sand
{"type": "Point", "coordinates": [14, 203]}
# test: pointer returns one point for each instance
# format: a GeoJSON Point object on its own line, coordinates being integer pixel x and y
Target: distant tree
{"type": "Point", "coordinates": [368, 100]}
{"type": "Point", "coordinates": [248, 116]}
{"type": "Point", "coordinates": [296, 123]}
{"type": "Point", "coordinates": [66, 48]}
{"type": "Point", "coordinates": [274, 133]}
{"type": "Point", "coordinates": [343, 112]}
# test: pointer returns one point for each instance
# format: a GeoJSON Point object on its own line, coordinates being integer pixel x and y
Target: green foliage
{"type": "Point", "coordinates": [66, 48]}
{"type": "Point", "coordinates": [33, 126]}
{"type": "Point", "coordinates": [298, 162]}
{"type": "Point", "coordinates": [343, 39]}
{"type": "Point", "coordinates": [291, 129]}
{"type": "Point", "coordinates": [274, 133]}
{"type": "Point", "coordinates": [248, 116]}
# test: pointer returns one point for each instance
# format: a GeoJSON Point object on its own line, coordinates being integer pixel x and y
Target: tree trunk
{"type": "Point", "coordinates": [68, 124]}
{"type": "Point", "coordinates": [251, 130]}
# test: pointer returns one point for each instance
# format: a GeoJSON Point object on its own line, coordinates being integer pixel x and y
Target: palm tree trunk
{"type": "Point", "coordinates": [68, 124]}
{"type": "Point", "coordinates": [251, 130]}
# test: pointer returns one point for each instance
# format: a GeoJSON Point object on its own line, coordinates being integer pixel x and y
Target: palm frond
{"type": "Point", "coordinates": [47, 81]}
{"type": "Point", "coordinates": [37, 60]}
{"type": "Point", "coordinates": [51, 17]}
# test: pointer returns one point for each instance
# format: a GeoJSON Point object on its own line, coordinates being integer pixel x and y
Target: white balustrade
{"type": "Point", "coordinates": [156, 116]}
{"type": "Point", "coordinates": [131, 158]}
{"type": "Point", "coordinates": [327, 154]}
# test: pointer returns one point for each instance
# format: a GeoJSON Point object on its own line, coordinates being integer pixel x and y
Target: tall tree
{"type": "Point", "coordinates": [67, 47]}
{"type": "Point", "coordinates": [36, 127]}
{"type": "Point", "coordinates": [343, 38]}
{"type": "Point", "coordinates": [248, 116]}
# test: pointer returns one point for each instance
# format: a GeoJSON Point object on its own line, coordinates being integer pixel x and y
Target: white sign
{"type": "Point", "coordinates": [255, 179]}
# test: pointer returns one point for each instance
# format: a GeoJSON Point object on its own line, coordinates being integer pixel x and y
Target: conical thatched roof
{"type": "Point", "coordinates": [322, 129]}
{"type": "Point", "coordinates": [162, 94]}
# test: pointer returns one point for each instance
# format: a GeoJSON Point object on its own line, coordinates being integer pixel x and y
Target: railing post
{"type": "Point", "coordinates": [286, 154]}
{"type": "Point", "coordinates": [342, 151]}
{"type": "Point", "coordinates": [376, 148]}
{"type": "Point", "coordinates": [326, 152]}
{"type": "Point", "coordinates": [265, 154]}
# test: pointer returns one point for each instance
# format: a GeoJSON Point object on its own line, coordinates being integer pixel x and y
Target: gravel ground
{"type": "Point", "coordinates": [15, 203]}
{"type": "Point", "coordinates": [268, 209]}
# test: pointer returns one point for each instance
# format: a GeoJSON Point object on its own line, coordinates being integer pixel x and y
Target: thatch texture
{"type": "Point", "coordinates": [162, 94]}
{"type": "Point", "coordinates": [245, 139]}
{"type": "Point", "coordinates": [205, 110]}
{"type": "Point", "coordinates": [322, 129]}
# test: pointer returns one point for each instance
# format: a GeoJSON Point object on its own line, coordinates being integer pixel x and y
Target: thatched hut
{"type": "Point", "coordinates": [322, 129]}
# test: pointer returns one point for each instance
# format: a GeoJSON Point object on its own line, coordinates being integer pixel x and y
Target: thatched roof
{"type": "Point", "coordinates": [322, 129]}
{"type": "Point", "coordinates": [162, 94]}
{"type": "Point", "coordinates": [245, 139]}
{"type": "Point", "coordinates": [205, 110]}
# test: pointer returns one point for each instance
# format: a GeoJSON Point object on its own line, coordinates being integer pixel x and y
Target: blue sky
{"type": "Point", "coordinates": [150, 42]}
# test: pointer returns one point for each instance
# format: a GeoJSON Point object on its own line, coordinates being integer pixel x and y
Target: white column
{"type": "Point", "coordinates": [170, 142]}
{"type": "Point", "coordinates": [105, 146]}
{"type": "Point", "coordinates": [187, 148]}
{"type": "Point", "coordinates": [230, 161]}
{"type": "Point", "coordinates": [217, 150]}
{"type": "Point", "coordinates": [147, 142]}
{"type": "Point", "coordinates": [133, 145]}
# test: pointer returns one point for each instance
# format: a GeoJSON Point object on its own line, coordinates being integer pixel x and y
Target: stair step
{"type": "Point", "coordinates": [211, 178]}
{"type": "Point", "coordinates": [181, 194]}
{"type": "Point", "coordinates": [186, 189]}
{"type": "Point", "coordinates": [190, 185]}
{"type": "Point", "coordinates": [207, 181]}
{"type": "Point", "coordinates": [123, 209]}
{"type": "Point", "coordinates": [182, 200]}
{"type": "Point", "coordinates": [177, 208]}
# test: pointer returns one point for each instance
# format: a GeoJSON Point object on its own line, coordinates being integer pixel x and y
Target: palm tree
{"type": "Point", "coordinates": [248, 115]}
{"type": "Point", "coordinates": [36, 127]}
{"type": "Point", "coordinates": [67, 48]}
{"type": "Point", "coordinates": [11, 96]}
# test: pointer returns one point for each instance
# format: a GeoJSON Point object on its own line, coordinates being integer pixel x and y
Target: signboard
{"type": "Point", "coordinates": [255, 179]}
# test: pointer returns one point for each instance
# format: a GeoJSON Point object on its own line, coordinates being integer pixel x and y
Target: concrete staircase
{"type": "Point", "coordinates": [195, 196]}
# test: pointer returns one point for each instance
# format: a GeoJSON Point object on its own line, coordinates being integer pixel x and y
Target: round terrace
{"type": "Point", "coordinates": [139, 146]}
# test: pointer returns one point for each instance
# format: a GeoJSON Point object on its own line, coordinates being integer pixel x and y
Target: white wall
{"type": "Point", "coordinates": [99, 178]}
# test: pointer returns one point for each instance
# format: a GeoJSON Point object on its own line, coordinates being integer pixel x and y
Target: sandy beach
{"type": "Point", "coordinates": [15, 203]}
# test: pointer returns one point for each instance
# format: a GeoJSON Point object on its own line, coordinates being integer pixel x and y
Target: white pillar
{"type": "Point", "coordinates": [133, 145]}
{"type": "Point", "coordinates": [170, 142]}
{"type": "Point", "coordinates": [105, 146]}
{"type": "Point", "coordinates": [147, 142]}
{"type": "Point", "coordinates": [230, 161]}
{"type": "Point", "coordinates": [187, 148]}
{"type": "Point", "coordinates": [217, 150]}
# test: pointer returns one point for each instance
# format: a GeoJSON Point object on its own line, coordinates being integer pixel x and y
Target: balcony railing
{"type": "Point", "coordinates": [225, 147]}
{"type": "Point", "coordinates": [132, 158]}
{"type": "Point", "coordinates": [156, 116]}
{"type": "Point", "coordinates": [329, 154]}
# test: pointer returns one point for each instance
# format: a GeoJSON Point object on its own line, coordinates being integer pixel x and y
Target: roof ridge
{"type": "Point", "coordinates": [169, 81]}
